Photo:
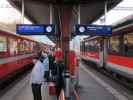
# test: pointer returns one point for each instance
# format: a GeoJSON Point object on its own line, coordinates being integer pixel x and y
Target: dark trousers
{"type": "Point", "coordinates": [36, 89]}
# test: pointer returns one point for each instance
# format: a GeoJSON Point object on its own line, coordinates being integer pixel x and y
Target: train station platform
{"type": "Point", "coordinates": [22, 91]}
{"type": "Point", "coordinates": [91, 87]}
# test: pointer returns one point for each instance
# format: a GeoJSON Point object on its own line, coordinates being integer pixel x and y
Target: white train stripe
{"type": "Point", "coordinates": [91, 59]}
{"type": "Point", "coordinates": [120, 67]}
{"type": "Point", "coordinates": [15, 58]}
{"type": "Point", "coordinates": [123, 70]}
{"type": "Point", "coordinates": [113, 91]}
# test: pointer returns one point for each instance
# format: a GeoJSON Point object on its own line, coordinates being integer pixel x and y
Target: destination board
{"type": "Point", "coordinates": [93, 30]}
{"type": "Point", "coordinates": [35, 29]}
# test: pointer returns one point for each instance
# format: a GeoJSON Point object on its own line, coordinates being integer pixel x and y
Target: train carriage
{"type": "Point", "coordinates": [120, 49]}
{"type": "Point", "coordinates": [114, 53]}
{"type": "Point", "coordinates": [15, 52]}
{"type": "Point", "coordinates": [90, 49]}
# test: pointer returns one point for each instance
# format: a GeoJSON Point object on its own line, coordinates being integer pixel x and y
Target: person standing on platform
{"type": "Point", "coordinates": [59, 77]}
{"type": "Point", "coordinates": [59, 71]}
{"type": "Point", "coordinates": [41, 65]}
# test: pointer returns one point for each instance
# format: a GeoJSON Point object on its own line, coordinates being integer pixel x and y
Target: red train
{"type": "Point", "coordinates": [15, 52]}
{"type": "Point", "coordinates": [114, 53]}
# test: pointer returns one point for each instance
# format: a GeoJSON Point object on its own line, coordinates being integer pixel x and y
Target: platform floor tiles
{"type": "Point", "coordinates": [94, 88]}
{"type": "Point", "coordinates": [26, 94]}
{"type": "Point", "coordinates": [22, 91]}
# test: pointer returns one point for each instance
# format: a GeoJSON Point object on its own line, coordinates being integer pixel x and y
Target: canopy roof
{"type": "Point", "coordinates": [38, 11]}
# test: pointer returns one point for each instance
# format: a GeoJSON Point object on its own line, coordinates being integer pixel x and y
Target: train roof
{"type": "Point", "coordinates": [124, 25]}
{"type": "Point", "coordinates": [124, 21]}
{"type": "Point", "coordinates": [6, 32]}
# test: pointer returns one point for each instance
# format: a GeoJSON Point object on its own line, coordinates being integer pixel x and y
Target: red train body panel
{"type": "Point", "coordinates": [121, 60]}
{"type": "Point", "coordinates": [10, 67]}
{"type": "Point", "coordinates": [92, 54]}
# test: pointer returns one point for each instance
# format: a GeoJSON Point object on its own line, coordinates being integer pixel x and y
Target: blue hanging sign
{"type": "Point", "coordinates": [93, 30]}
{"type": "Point", "coordinates": [35, 29]}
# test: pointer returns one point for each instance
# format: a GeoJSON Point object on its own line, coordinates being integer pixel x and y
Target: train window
{"type": "Point", "coordinates": [128, 44]}
{"type": "Point", "coordinates": [13, 46]}
{"type": "Point", "coordinates": [86, 45]}
{"type": "Point", "coordinates": [26, 46]}
{"type": "Point", "coordinates": [83, 46]}
{"type": "Point", "coordinates": [93, 45]}
{"type": "Point", "coordinates": [31, 46]}
{"type": "Point", "coordinates": [114, 44]}
{"type": "Point", "coordinates": [3, 44]}
{"type": "Point", "coordinates": [19, 42]}
{"type": "Point", "coordinates": [21, 47]}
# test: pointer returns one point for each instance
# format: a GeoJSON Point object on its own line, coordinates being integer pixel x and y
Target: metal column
{"type": "Point", "coordinates": [66, 13]}
{"type": "Point", "coordinates": [105, 39]}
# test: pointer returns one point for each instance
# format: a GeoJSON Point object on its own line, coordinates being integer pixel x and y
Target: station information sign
{"type": "Point", "coordinates": [93, 29]}
{"type": "Point", "coordinates": [35, 29]}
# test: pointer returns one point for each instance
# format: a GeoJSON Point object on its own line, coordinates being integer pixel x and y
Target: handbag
{"type": "Point", "coordinates": [52, 88]}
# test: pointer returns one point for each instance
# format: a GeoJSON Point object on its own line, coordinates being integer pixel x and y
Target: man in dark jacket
{"type": "Point", "coordinates": [51, 61]}
{"type": "Point", "coordinates": [59, 77]}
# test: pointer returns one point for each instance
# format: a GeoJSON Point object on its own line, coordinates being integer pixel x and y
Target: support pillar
{"type": "Point", "coordinates": [66, 13]}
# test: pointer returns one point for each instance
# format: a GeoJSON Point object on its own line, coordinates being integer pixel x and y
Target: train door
{"type": "Point", "coordinates": [13, 46]}
{"type": "Point", "coordinates": [3, 46]}
{"type": "Point", "coordinates": [103, 52]}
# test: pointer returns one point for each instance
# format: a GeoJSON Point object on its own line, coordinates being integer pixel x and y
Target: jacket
{"type": "Point", "coordinates": [37, 74]}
